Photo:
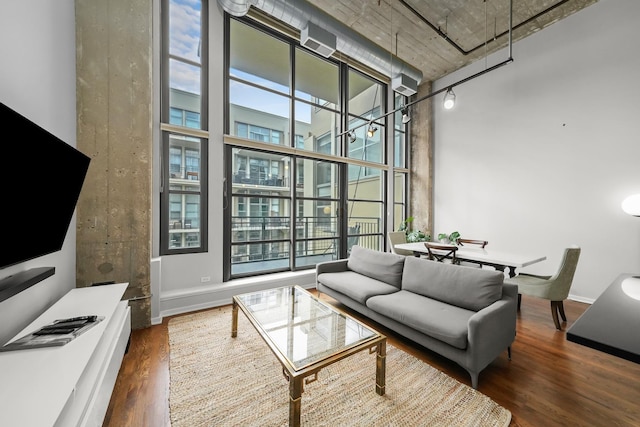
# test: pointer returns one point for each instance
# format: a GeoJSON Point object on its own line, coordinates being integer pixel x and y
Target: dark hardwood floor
{"type": "Point", "coordinates": [549, 381]}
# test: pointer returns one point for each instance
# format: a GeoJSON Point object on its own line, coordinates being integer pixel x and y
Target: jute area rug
{"type": "Point", "coordinates": [217, 380]}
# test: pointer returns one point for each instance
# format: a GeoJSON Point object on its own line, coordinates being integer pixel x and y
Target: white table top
{"type": "Point", "coordinates": [487, 256]}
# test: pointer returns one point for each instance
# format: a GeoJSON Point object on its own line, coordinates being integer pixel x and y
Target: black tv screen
{"type": "Point", "coordinates": [41, 180]}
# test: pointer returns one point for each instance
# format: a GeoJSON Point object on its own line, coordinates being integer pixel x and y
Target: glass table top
{"type": "Point", "coordinates": [299, 326]}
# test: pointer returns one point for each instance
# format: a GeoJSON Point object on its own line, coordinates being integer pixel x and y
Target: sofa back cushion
{"type": "Point", "coordinates": [383, 266]}
{"type": "Point", "coordinates": [465, 287]}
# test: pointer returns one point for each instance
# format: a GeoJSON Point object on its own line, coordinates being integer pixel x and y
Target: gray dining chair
{"type": "Point", "coordinates": [554, 288]}
{"type": "Point", "coordinates": [396, 238]}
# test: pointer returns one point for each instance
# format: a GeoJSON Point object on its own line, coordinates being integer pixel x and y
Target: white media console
{"type": "Point", "coordinates": [69, 385]}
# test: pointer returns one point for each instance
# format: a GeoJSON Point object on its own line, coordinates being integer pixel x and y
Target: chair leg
{"type": "Point", "coordinates": [561, 310]}
{"type": "Point", "coordinates": [519, 300]}
{"type": "Point", "coordinates": [554, 313]}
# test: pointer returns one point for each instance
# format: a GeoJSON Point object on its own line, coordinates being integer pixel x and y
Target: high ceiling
{"type": "Point", "coordinates": [441, 36]}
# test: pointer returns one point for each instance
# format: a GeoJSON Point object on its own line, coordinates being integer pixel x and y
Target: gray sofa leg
{"type": "Point", "coordinates": [474, 380]}
{"type": "Point", "coordinates": [509, 352]}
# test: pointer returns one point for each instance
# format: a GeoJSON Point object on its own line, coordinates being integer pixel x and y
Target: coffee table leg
{"type": "Point", "coordinates": [381, 367]}
{"type": "Point", "coordinates": [234, 320]}
{"type": "Point", "coordinates": [295, 400]}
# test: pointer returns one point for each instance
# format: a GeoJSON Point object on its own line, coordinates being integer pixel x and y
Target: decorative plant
{"type": "Point", "coordinates": [417, 236]}
{"type": "Point", "coordinates": [451, 238]}
{"type": "Point", "coordinates": [412, 235]}
{"type": "Point", "coordinates": [406, 225]}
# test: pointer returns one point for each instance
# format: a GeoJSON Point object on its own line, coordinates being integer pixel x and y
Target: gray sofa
{"type": "Point", "coordinates": [466, 314]}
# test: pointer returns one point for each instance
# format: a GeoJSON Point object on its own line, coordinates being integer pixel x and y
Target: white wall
{"type": "Point", "coordinates": [538, 154]}
{"type": "Point", "coordinates": [38, 79]}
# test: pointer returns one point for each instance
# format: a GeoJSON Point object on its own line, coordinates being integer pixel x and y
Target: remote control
{"type": "Point", "coordinates": [67, 325]}
{"type": "Point", "coordinates": [77, 319]}
{"type": "Point", "coordinates": [59, 331]}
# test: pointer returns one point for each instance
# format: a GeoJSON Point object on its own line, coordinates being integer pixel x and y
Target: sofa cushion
{"type": "Point", "coordinates": [383, 266]}
{"type": "Point", "coordinates": [436, 319]}
{"type": "Point", "coordinates": [466, 287]}
{"type": "Point", "coordinates": [354, 285]}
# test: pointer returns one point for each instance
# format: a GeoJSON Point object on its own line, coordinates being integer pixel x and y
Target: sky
{"type": "Point", "coordinates": [184, 42]}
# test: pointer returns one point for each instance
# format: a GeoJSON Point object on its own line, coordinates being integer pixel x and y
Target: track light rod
{"type": "Point", "coordinates": [431, 95]}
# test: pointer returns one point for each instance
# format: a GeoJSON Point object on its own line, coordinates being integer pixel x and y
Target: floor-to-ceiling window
{"type": "Point", "coordinates": [299, 190]}
{"type": "Point", "coordinates": [280, 214]}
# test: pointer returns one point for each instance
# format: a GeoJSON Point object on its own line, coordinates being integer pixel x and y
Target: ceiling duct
{"type": "Point", "coordinates": [299, 13]}
{"type": "Point", "coordinates": [318, 40]}
{"type": "Point", "coordinates": [236, 7]}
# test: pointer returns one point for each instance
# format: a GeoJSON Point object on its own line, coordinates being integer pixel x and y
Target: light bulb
{"type": "Point", "coordinates": [449, 99]}
{"type": "Point", "coordinates": [372, 130]}
{"type": "Point", "coordinates": [406, 118]}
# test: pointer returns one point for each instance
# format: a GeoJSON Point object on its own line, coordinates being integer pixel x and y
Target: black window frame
{"type": "Point", "coordinates": [167, 130]}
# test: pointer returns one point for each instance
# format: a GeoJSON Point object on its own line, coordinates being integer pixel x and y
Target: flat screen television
{"type": "Point", "coordinates": [41, 181]}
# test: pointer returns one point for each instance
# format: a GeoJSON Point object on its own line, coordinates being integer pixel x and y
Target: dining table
{"type": "Point", "coordinates": [499, 259]}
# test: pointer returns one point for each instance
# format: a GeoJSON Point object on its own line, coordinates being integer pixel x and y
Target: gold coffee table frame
{"type": "Point", "coordinates": [307, 335]}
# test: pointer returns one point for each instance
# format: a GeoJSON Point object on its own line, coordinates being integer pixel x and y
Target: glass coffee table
{"type": "Point", "coordinates": [307, 335]}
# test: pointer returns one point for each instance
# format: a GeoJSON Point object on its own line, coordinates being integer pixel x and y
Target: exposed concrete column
{"type": "Point", "coordinates": [114, 104]}
{"type": "Point", "coordinates": [421, 166]}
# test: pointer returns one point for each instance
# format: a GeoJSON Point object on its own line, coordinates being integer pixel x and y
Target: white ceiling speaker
{"type": "Point", "coordinates": [404, 85]}
{"type": "Point", "coordinates": [318, 40]}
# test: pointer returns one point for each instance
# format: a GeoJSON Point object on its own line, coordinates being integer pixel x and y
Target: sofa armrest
{"type": "Point", "coordinates": [493, 329]}
{"type": "Point", "coordinates": [331, 266]}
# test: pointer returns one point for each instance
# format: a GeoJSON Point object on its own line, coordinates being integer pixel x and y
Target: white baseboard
{"type": "Point", "coordinates": [581, 299]}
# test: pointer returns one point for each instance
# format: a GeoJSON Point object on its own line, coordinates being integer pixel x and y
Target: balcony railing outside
{"type": "Point", "coordinates": [184, 232]}
{"type": "Point", "coordinates": [316, 240]}
{"type": "Point", "coordinates": [278, 181]}
{"type": "Point", "coordinates": [189, 173]}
